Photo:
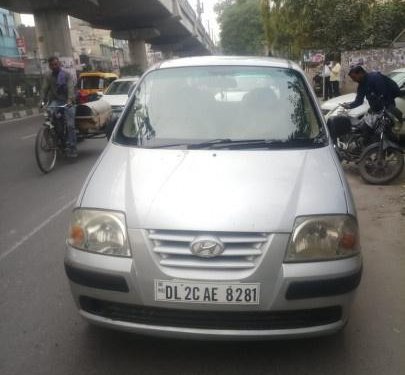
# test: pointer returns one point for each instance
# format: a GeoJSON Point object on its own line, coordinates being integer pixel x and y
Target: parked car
{"type": "Point", "coordinates": [117, 93]}
{"type": "Point", "coordinates": [116, 96]}
{"type": "Point", "coordinates": [330, 107]}
{"type": "Point", "coordinates": [214, 218]}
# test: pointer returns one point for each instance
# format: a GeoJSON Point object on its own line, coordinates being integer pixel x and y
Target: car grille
{"type": "Point", "coordinates": [238, 320]}
{"type": "Point", "coordinates": [242, 250]}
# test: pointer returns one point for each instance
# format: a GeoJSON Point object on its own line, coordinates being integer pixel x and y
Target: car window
{"type": "Point", "coordinates": [202, 103]}
{"type": "Point", "coordinates": [398, 77]}
{"type": "Point", "coordinates": [91, 82]}
{"type": "Point", "coordinates": [119, 87]}
{"type": "Point", "coordinates": [108, 81]}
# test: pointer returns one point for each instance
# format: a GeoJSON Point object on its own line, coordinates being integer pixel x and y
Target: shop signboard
{"type": "Point", "coordinates": [22, 50]}
{"type": "Point", "coordinates": [8, 62]}
{"type": "Point", "coordinates": [314, 56]}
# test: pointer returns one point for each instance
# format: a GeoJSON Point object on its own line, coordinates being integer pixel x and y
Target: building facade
{"type": "Point", "coordinates": [94, 49]}
{"type": "Point", "coordinates": [12, 89]}
{"type": "Point", "coordinates": [8, 35]}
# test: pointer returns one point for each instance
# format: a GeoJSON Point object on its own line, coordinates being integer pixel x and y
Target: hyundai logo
{"type": "Point", "coordinates": [207, 247]}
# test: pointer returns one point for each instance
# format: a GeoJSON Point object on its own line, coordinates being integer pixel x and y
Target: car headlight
{"type": "Point", "coordinates": [323, 238]}
{"type": "Point", "coordinates": [99, 231]}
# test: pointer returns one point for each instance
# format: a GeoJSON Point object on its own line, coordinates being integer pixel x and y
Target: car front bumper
{"type": "Point", "coordinates": [297, 299]}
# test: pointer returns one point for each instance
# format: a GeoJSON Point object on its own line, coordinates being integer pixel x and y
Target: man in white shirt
{"type": "Point", "coordinates": [335, 78]}
{"type": "Point", "coordinates": [327, 89]}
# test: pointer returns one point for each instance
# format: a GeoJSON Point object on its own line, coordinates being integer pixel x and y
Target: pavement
{"type": "Point", "coordinates": [18, 114]}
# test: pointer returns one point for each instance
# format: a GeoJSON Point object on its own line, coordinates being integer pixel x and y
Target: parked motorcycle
{"type": "Point", "coordinates": [373, 147]}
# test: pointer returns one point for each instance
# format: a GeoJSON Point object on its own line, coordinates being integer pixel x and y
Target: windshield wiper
{"type": "Point", "coordinates": [208, 144]}
{"type": "Point", "coordinates": [219, 143]}
{"type": "Point", "coordinates": [193, 146]}
{"type": "Point", "coordinates": [259, 143]}
{"type": "Point", "coordinates": [169, 145]}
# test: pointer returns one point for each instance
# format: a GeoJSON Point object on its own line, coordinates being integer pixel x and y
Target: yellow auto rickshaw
{"type": "Point", "coordinates": [91, 83]}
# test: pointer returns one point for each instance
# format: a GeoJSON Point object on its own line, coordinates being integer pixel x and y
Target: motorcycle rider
{"type": "Point", "coordinates": [379, 90]}
{"type": "Point", "coordinates": [58, 90]}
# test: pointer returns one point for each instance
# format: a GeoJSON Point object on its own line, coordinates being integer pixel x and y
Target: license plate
{"type": "Point", "coordinates": [210, 293]}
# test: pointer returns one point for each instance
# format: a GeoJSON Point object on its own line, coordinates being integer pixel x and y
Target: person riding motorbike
{"type": "Point", "coordinates": [58, 90]}
{"type": "Point", "coordinates": [380, 92]}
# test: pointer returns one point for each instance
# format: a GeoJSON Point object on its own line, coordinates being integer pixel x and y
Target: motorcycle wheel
{"type": "Point", "coordinates": [381, 170]}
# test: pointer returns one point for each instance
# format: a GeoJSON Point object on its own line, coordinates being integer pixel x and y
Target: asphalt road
{"type": "Point", "coordinates": [41, 332]}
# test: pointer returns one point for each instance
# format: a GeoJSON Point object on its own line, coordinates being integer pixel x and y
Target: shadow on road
{"type": "Point", "coordinates": [215, 357]}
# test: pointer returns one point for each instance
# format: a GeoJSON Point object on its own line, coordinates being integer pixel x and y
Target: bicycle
{"type": "Point", "coordinates": [51, 138]}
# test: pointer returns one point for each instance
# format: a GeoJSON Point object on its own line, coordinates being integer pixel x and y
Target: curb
{"type": "Point", "coordinates": [7, 116]}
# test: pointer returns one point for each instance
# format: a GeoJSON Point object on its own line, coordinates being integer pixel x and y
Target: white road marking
{"type": "Point", "coordinates": [36, 230]}
{"type": "Point", "coordinates": [29, 136]}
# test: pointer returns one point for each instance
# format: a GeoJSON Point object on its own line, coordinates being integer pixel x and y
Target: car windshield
{"type": "Point", "coordinates": [191, 106]}
{"type": "Point", "coordinates": [91, 82]}
{"type": "Point", "coordinates": [119, 87]}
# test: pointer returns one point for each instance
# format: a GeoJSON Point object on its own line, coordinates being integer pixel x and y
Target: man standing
{"type": "Point", "coordinates": [335, 78]}
{"type": "Point", "coordinates": [58, 90]}
{"type": "Point", "coordinates": [327, 89]}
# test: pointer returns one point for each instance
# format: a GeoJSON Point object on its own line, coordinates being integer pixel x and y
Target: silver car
{"type": "Point", "coordinates": [217, 210]}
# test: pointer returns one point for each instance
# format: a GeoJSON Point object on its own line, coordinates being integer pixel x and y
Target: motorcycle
{"type": "Point", "coordinates": [370, 144]}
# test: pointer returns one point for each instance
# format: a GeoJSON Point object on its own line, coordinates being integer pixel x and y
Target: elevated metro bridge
{"type": "Point", "coordinates": [168, 25]}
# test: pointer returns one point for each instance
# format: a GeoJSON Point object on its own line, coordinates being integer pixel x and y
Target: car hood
{"type": "Point", "coordinates": [334, 102]}
{"type": "Point", "coordinates": [331, 104]}
{"type": "Point", "coordinates": [115, 100]}
{"type": "Point", "coordinates": [205, 190]}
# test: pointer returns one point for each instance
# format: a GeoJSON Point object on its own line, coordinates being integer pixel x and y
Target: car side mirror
{"type": "Point", "coordinates": [338, 126]}
{"type": "Point", "coordinates": [402, 91]}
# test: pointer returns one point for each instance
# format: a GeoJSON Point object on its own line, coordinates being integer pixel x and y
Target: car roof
{"type": "Point", "coordinates": [98, 74]}
{"type": "Point", "coordinates": [400, 70]}
{"type": "Point", "coordinates": [123, 79]}
{"type": "Point", "coordinates": [227, 60]}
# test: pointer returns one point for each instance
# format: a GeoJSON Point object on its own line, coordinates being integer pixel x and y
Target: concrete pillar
{"type": "Point", "coordinates": [137, 53]}
{"type": "Point", "coordinates": [53, 35]}
{"type": "Point", "coordinates": [136, 43]}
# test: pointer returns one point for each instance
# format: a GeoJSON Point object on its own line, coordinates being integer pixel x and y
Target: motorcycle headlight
{"type": "Point", "coordinates": [99, 231]}
{"type": "Point", "coordinates": [317, 238]}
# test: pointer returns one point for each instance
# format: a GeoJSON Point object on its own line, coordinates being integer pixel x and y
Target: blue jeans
{"type": "Point", "coordinates": [70, 113]}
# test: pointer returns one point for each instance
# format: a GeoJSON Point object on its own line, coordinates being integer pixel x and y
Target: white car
{"type": "Point", "coordinates": [330, 107]}
{"type": "Point", "coordinates": [117, 93]}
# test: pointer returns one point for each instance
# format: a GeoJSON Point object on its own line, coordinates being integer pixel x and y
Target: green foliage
{"type": "Point", "coordinates": [294, 25]}
{"type": "Point", "coordinates": [386, 21]}
{"type": "Point", "coordinates": [241, 24]}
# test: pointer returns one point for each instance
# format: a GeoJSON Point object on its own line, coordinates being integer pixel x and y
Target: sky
{"type": "Point", "coordinates": [208, 17]}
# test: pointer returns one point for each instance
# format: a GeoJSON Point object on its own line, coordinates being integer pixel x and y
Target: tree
{"type": "Point", "coordinates": [386, 21]}
{"type": "Point", "coordinates": [294, 25]}
{"type": "Point", "coordinates": [241, 27]}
